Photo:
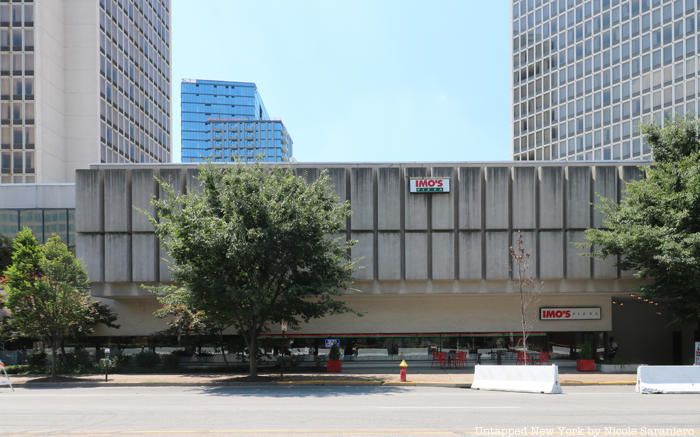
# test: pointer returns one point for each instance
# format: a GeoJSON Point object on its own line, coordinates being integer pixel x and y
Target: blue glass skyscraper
{"type": "Point", "coordinates": [227, 121]}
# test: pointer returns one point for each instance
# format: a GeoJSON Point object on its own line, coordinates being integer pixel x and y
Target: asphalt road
{"type": "Point", "coordinates": [351, 410]}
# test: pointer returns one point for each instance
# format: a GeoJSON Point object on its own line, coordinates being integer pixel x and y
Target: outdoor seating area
{"type": "Point", "coordinates": [451, 359]}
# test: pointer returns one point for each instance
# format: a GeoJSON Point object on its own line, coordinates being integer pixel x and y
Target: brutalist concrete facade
{"type": "Point", "coordinates": [431, 262]}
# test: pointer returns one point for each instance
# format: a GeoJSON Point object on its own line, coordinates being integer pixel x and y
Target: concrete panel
{"type": "Point", "coordinates": [309, 174]}
{"type": "Point", "coordinates": [389, 255]}
{"type": "Point", "coordinates": [88, 201]}
{"type": "Point", "coordinates": [470, 258]}
{"type": "Point", "coordinates": [143, 189]}
{"type": "Point", "coordinates": [164, 274]}
{"type": "Point", "coordinates": [416, 203]}
{"type": "Point", "coordinates": [578, 265]}
{"type": "Point", "coordinates": [551, 259]}
{"type": "Point", "coordinates": [442, 207]}
{"type": "Point", "coordinates": [497, 255]}
{"type": "Point", "coordinates": [530, 246]}
{"type": "Point", "coordinates": [389, 186]}
{"type": "Point", "coordinates": [192, 183]}
{"type": "Point", "coordinates": [143, 258]}
{"type": "Point", "coordinates": [604, 186]}
{"type": "Point", "coordinates": [339, 183]}
{"type": "Point", "coordinates": [363, 255]}
{"type": "Point", "coordinates": [117, 258]}
{"type": "Point", "coordinates": [605, 268]}
{"type": "Point", "coordinates": [416, 255]}
{"type": "Point", "coordinates": [629, 174]}
{"type": "Point", "coordinates": [524, 197]}
{"type": "Point", "coordinates": [470, 179]}
{"type": "Point", "coordinates": [578, 197]}
{"type": "Point", "coordinates": [117, 201]}
{"type": "Point", "coordinates": [337, 178]}
{"type": "Point", "coordinates": [551, 198]}
{"type": "Point", "coordinates": [32, 196]}
{"type": "Point", "coordinates": [362, 198]}
{"type": "Point", "coordinates": [173, 177]}
{"type": "Point", "coordinates": [88, 248]}
{"type": "Point", "coordinates": [496, 202]}
{"type": "Point", "coordinates": [443, 255]}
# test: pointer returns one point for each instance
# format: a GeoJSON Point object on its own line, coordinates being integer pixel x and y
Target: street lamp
{"type": "Point", "coordinates": [283, 327]}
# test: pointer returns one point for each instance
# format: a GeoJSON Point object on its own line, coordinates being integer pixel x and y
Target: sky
{"type": "Point", "coordinates": [360, 80]}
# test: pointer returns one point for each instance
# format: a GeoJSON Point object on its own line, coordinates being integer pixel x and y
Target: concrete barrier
{"type": "Point", "coordinates": [668, 379]}
{"type": "Point", "coordinates": [529, 379]}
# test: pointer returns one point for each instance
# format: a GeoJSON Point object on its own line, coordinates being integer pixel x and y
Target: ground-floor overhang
{"type": "Point", "coordinates": [408, 314]}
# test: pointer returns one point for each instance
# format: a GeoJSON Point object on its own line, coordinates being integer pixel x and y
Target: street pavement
{"type": "Point", "coordinates": [278, 410]}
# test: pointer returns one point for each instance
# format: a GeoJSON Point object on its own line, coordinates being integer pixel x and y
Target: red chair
{"type": "Point", "coordinates": [544, 357]}
{"type": "Point", "coordinates": [442, 359]}
{"type": "Point", "coordinates": [522, 358]}
{"type": "Point", "coordinates": [461, 360]}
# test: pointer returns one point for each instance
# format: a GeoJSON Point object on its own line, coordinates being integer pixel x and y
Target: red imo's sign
{"type": "Point", "coordinates": [574, 313]}
{"type": "Point", "coordinates": [429, 185]}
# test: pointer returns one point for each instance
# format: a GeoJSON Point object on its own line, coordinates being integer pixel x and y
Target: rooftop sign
{"type": "Point", "coordinates": [429, 185]}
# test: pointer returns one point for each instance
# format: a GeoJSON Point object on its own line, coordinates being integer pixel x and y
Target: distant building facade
{"type": "Point", "coordinates": [227, 121]}
{"type": "Point", "coordinates": [82, 82]}
{"type": "Point", "coordinates": [587, 74]}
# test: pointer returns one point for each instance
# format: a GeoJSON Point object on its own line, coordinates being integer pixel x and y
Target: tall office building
{"type": "Point", "coordinates": [82, 81]}
{"type": "Point", "coordinates": [586, 74]}
{"type": "Point", "coordinates": [226, 121]}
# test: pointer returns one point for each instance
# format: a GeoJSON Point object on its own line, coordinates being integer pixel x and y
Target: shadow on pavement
{"type": "Point", "coordinates": [299, 391]}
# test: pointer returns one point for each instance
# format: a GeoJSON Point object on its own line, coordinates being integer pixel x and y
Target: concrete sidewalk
{"type": "Point", "coordinates": [452, 379]}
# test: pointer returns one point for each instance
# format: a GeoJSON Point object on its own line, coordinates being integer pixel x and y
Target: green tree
{"type": "Point", "coordinates": [656, 227]}
{"type": "Point", "coordinates": [184, 321]}
{"type": "Point", "coordinates": [47, 291]}
{"type": "Point", "coordinates": [256, 246]}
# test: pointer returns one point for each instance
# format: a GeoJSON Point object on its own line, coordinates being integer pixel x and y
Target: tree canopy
{"type": "Point", "coordinates": [656, 227]}
{"type": "Point", "coordinates": [256, 246]}
{"type": "Point", "coordinates": [47, 293]}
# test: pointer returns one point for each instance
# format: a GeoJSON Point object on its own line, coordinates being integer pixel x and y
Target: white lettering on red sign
{"type": "Point", "coordinates": [574, 313]}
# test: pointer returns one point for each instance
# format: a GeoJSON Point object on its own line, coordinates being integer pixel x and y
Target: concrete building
{"type": "Point", "coordinates": [434, 265]}
{"type": "Point", "coordinates": [586, 74]}
{"type": "Point", "coordinates": [226, 121]}
{"type": "Point", "coordinates": [82, 81]}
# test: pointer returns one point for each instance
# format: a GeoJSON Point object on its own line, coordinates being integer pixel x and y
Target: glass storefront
{"type": "Point", "coordinates": [42, 222]}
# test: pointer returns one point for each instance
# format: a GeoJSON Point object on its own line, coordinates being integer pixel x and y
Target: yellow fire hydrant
{"type": "Point", "coordinates": [404, 370]}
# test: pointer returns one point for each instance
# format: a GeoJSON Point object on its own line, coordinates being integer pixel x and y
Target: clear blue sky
{"type": "Point", "coordinates": [360, 80]}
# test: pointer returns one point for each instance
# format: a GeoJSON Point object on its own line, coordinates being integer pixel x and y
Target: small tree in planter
{"type": "Point", "coordinates": [528, 287]}
{"type": "Point", "coordinates": [334, 365]}
{"type": "Point", "coordinates": [585, 361]}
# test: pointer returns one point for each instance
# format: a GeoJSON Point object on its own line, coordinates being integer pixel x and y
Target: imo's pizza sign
{"type": "Point", "coordinates": [429, 185]}
{"type": "Point", "coordinates": [570, 313]}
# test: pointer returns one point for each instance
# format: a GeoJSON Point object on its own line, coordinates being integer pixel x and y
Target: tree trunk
{"type": "Point", "coordinates": [53, 358]}
{"type": "Point", "coordinates": [221, 344]}
{"type": "Point", "coordinates": [523, 321]}
{"type": "Point", "coordinates": [253, 354]}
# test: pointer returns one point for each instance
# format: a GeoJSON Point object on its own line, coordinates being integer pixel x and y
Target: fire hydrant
{"type": "Point", "coordinates": [404, 370]}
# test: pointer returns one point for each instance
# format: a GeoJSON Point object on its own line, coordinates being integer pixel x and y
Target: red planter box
{"type": "Point", "coordinates": [334, 366]}
{"type": "Point", "coordinates": [585, 365]}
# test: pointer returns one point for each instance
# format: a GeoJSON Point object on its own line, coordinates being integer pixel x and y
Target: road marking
{"type": "Point", "coordinates": [447, 407]}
